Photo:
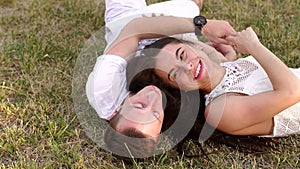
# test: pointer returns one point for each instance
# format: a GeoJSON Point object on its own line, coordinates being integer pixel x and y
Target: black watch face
{"type": "Point", "coordinates": [199, 21]}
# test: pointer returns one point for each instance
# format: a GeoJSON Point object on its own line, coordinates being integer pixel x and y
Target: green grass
{"type": "Point", "coordinates": [40, 41]}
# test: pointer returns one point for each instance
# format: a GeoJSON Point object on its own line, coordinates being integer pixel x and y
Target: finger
{"type": "Point", "coordinates": [230, 38]}
{"type": "Point", "coordinates": [249, 29]}
{"type": "Point", "coordinates": [222, 41]}
{"type": "Point", "coordinates": [232, 31]}
{"type": "Point", "coordinates": [231, 56]}
{"type": "Point", "coordinates": [211, 44]}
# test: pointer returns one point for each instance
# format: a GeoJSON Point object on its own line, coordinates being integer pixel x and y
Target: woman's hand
{"type": "Point", "coordinates": [245, 41]}
{"type": "Point", "coordinates": [227, 50]}
{"type": "Point", "coordinates": [217, 31]}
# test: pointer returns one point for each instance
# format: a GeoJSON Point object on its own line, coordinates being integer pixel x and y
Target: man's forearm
{"type": "Point", "coordinates": [152, 27]}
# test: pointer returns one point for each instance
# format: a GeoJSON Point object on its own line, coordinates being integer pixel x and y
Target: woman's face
{"type": "Point", "coordinates": [183, 67]}
{"type": "Point", "coordinates": [143, 111]}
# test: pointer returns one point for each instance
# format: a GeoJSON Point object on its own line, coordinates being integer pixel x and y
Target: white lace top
{"type": "Point", "coordinates": [246, 76]}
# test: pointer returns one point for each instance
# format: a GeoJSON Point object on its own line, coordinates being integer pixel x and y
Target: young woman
{"type": "Point", "coordinates": [256, 95]}
{"type": "Point", "coordinates": [106, 91]}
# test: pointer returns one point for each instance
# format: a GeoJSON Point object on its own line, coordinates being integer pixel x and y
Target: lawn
{"type": "Point", "coordinates": [40, 42]}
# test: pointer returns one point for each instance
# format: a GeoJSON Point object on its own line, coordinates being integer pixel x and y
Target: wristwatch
{"type": "Point", "coordinates": [199, 22]}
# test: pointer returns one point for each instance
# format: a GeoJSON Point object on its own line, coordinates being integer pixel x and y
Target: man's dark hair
{"type": "Point", "coordinates": [129, 143]}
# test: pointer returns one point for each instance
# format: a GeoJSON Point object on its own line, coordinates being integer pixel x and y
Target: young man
{"type": "Point", "coordinates": [106, 87]}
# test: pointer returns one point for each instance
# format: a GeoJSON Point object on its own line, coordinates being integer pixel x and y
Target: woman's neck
{"type": "Point", "coordinates": [217, 75]}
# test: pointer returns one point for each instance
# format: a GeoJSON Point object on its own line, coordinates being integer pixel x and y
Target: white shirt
{"type": "Point", "coordinates": [106, 85]}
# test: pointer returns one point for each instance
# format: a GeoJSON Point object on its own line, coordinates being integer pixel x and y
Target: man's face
{"type": "Point", "coordinates": [142, 111]}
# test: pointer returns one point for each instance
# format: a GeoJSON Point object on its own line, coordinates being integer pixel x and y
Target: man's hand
{"type": "Point", "coordinates": [217, 30]}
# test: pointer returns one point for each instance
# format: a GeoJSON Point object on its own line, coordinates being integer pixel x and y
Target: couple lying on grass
{"type": "Point", "coordinates": [178, 84]}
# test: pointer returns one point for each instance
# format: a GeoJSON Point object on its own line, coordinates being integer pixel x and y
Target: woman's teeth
{"type": "Point", "coordinates": [198, 70]}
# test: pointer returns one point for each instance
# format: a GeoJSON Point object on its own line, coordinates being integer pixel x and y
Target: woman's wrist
{"type": "Point", "coordinates": [254, 48]}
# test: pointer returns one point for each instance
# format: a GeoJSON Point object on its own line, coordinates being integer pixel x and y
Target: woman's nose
{"type": "Point", "coordinates": [186, 66]}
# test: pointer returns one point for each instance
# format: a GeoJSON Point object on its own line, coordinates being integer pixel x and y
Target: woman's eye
{"type": "Point", "coordinates": [175, 74]}
{"type": "Point", "coordinates": [181, 56]}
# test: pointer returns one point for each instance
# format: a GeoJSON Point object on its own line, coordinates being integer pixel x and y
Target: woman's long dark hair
{"type": "Point", "coordinates": [141, 73]}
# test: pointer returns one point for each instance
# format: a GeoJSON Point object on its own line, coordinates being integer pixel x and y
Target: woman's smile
{"type": "Point", "coordinates": [187, 68]}
{"type": "Point", "coordinates": [198, 70]}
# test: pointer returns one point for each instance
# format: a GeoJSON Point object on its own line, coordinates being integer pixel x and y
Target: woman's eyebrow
{"type": "Point", "coordinates": [176, 53]}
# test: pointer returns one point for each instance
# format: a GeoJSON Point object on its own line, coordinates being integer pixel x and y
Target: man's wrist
{"type": "Point", "coordinates": [199, 23]}
{"type": "Point", "coordinates": [205, 28]}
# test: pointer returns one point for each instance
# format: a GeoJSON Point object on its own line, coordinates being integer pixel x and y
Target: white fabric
{"type": "Point", "coordinates": [118, 13]}
{"type": "Point", "coordinates": [106, 85]}
{"type": "Point", "coordinates": [246, 76]}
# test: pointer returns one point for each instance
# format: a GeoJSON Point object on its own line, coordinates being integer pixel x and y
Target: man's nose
{"type": "Point", "coordinates": [151, 97]}
{"type": "Point", "coordinates": [146, 98]}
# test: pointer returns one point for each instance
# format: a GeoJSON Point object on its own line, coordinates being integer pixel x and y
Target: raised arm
{"type": "Point", "coordinates": [153, 27]}
{"type": "Point", "coordinates": [147, 27]}
{"type": "Point", "coordinates": [283, 80]}
{"type": "Point", "coordinates": [249, 115]}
